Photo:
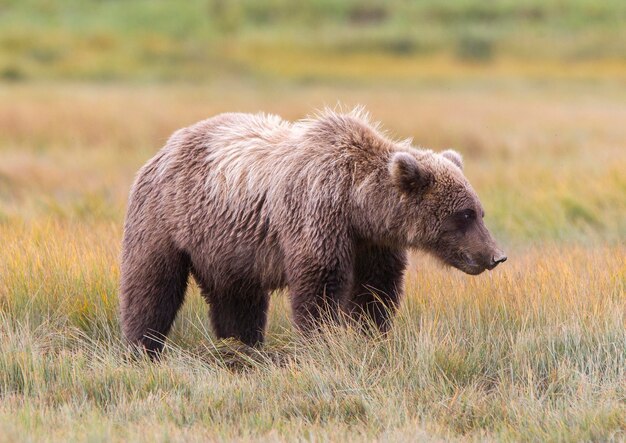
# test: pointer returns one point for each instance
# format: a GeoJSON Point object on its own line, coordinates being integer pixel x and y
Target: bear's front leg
{"type": "Point", "coordinates": [378, 285]}
{"type": "Point", "coordinates": [318, 287]}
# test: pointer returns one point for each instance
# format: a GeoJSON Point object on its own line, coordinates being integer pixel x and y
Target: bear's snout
{"type": "Point", "coordinates": [496, 259]}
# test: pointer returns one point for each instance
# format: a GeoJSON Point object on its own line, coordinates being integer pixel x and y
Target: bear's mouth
{"type": "Point", "coordinates": [462, 261]}
{"type": "Point", "coordinates": [472, 269]}
{"type": "Point", "coordinates": [467, 264]}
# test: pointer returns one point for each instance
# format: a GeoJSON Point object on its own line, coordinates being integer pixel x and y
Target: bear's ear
{"type": "Point", "coordinates": [454, 157]}
{"type": "Point", "coordinates": [408, 175]}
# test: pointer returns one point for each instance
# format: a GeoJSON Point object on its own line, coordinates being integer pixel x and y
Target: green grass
{"type": "Point", "coordinates": [534, 351]}
{"type": "Point", "coordinates": [205, 40]}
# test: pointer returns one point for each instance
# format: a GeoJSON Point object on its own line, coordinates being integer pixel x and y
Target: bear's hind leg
{"type": "Point", "coordinates": [378, 285]}
{"type": "Point", "coordinates": [238, 311]}
{"type": "Point", "coordinates": [153, 284]}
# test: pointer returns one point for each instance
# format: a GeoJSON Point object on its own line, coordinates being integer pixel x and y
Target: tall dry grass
{"type": "Point", "coordinates": [534, 351]}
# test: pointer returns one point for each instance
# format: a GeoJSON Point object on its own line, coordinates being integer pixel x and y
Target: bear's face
{"type": "Point", "coordinates": [442, 211]}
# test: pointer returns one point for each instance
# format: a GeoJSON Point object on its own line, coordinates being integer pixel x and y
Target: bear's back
{"type": "Point", "coordinates": [226, 178]}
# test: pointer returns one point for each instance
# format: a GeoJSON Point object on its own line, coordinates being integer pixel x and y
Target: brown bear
{"type": "Point", "coordinates": [326, 206]}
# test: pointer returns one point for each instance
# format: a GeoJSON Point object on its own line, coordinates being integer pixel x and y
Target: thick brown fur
{"type": "Point", "coordinates": [326, 206]}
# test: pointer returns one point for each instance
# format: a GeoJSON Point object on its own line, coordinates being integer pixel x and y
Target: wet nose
{"type": "Point", "coordinates": [497, 259]}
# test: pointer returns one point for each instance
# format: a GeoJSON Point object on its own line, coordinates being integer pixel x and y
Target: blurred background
{"type": "Point", "coordinates": [310, 41]}
{"type": "Point", "coordinates": [532, 93]}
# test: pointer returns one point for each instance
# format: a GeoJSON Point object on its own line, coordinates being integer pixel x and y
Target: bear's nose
{"type": "Point", "coordinates": [497, 259]}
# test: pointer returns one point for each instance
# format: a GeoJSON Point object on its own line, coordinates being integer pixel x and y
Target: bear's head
{"type": "Point", "coordinates": [441, 211]}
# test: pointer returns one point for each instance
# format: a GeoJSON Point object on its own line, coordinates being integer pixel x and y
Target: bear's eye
{"type": "Point", "coordinates": [468, 214]}
{"type": "Point", "coordinates": [464, 218]}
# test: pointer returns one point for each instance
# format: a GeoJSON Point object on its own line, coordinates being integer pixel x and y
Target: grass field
{"type": "Point", "coordinates": [308, 40]}
{"type": "Point", "coordinates": [534, 351]}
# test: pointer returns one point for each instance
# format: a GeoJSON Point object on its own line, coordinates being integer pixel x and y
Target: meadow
{"type": "Point", "coordinates": [533, 351]}
{"type": "Point", "coordinates": [308, 40]}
